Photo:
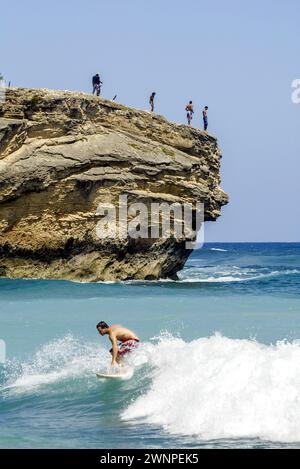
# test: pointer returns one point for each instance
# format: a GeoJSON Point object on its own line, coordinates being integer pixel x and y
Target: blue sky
{"type": "Point", "coordinates": [237, 57]}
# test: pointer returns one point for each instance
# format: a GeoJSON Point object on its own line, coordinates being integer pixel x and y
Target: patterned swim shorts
{"type": "Point", "coordinates": [128, 346]}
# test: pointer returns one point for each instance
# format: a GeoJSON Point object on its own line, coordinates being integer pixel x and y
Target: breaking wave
{"type": "Point", "coordinates": [227, 274]}
{"type": "Point", "coordinates": [218, 387]}
{"type": "Point", "coordinates": [62, 359]}
{"type": "Point", "coordinates": [210, 388]}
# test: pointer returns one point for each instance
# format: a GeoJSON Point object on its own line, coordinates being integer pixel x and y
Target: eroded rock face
{"type": "Point", "coordinates": [63, 153]}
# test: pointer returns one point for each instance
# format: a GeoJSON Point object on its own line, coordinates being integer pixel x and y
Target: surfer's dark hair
{"type": "Point", "coordinates": [102, 325]}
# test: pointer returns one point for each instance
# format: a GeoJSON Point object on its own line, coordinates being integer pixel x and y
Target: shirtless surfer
{"type": "Point", "coordinates": [128, 340]}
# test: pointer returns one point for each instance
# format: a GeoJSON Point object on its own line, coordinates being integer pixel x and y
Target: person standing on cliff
{"type": "Point", "coordinates": [205, 117]}
{"type": "Point", "coordinates": [190, 111]}
{"type": "Point", "coordinates": [97, 84]}
{"type": "Point", "coordinates": [151, 101]}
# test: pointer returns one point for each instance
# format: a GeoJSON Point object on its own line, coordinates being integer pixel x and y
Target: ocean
{"type": "Point", "coordinates": [218, 366]}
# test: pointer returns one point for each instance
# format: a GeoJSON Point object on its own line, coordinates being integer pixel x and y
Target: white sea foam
{"type": "Point", "coordinates": [228, 274]}
{"type": "Point", "coordinates": [219, 249]}
{"type": "Point", "coordinates": [221, 388]}
{"type": "Point", "coordinates": [211, 388]}
{"type": "Point", "coordinates": [218, 274]}
{"type": "Point", "coordinates": [61, 359]}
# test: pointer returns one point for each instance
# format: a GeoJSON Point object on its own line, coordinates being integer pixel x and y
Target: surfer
{"type": "Point", "coordinates": [128, 340]}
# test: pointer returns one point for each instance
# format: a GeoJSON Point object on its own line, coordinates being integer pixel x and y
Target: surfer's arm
{"type": "Point", "coordinates": [115, 349]}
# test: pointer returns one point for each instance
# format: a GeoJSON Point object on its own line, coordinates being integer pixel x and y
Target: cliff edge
{"type": "Point", "coordinates": [64, 153]}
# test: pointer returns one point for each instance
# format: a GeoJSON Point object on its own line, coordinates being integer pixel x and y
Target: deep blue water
{"type": "Point", "coordinates": [218, 366]}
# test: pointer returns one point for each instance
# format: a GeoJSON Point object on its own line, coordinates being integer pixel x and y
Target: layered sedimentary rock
{"type": "Point", "coordinates": [62, 154]}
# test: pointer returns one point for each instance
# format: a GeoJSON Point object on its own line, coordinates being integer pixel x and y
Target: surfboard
{"type": "Point", "coordinates": [122, 375]}
{"type": "Point", "coordinates": [108, 376]}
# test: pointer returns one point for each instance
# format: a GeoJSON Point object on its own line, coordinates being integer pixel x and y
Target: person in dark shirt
{"type": "Point", "coordinates": [97, 84]}
{"type": "Point", "coordinates": [151, 101]}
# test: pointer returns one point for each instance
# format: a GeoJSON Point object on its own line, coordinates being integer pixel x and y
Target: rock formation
{"type": "Point", "coordinates": [63, 153]}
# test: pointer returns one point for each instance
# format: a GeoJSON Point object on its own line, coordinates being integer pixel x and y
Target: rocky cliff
{"type": "Point", "coordinates": [63, 153]}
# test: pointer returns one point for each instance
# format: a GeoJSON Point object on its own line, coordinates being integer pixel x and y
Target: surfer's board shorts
{"type": "Point", "coordinates": [128, 346]}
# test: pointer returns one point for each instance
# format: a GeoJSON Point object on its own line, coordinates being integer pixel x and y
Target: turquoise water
{"type": "Point", "coordinates": [218, 366]}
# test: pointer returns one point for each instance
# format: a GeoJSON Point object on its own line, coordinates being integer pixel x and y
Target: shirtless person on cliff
{"type": "Point", "coordinates": [190, 111]}
{"type": "Point", "coordinates": [128, 340]}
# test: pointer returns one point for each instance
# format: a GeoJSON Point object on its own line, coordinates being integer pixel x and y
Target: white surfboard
{"type": "Point", "coordinates": [107, 376]}
{"type": "Point", "coordinates": [124, 374]}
